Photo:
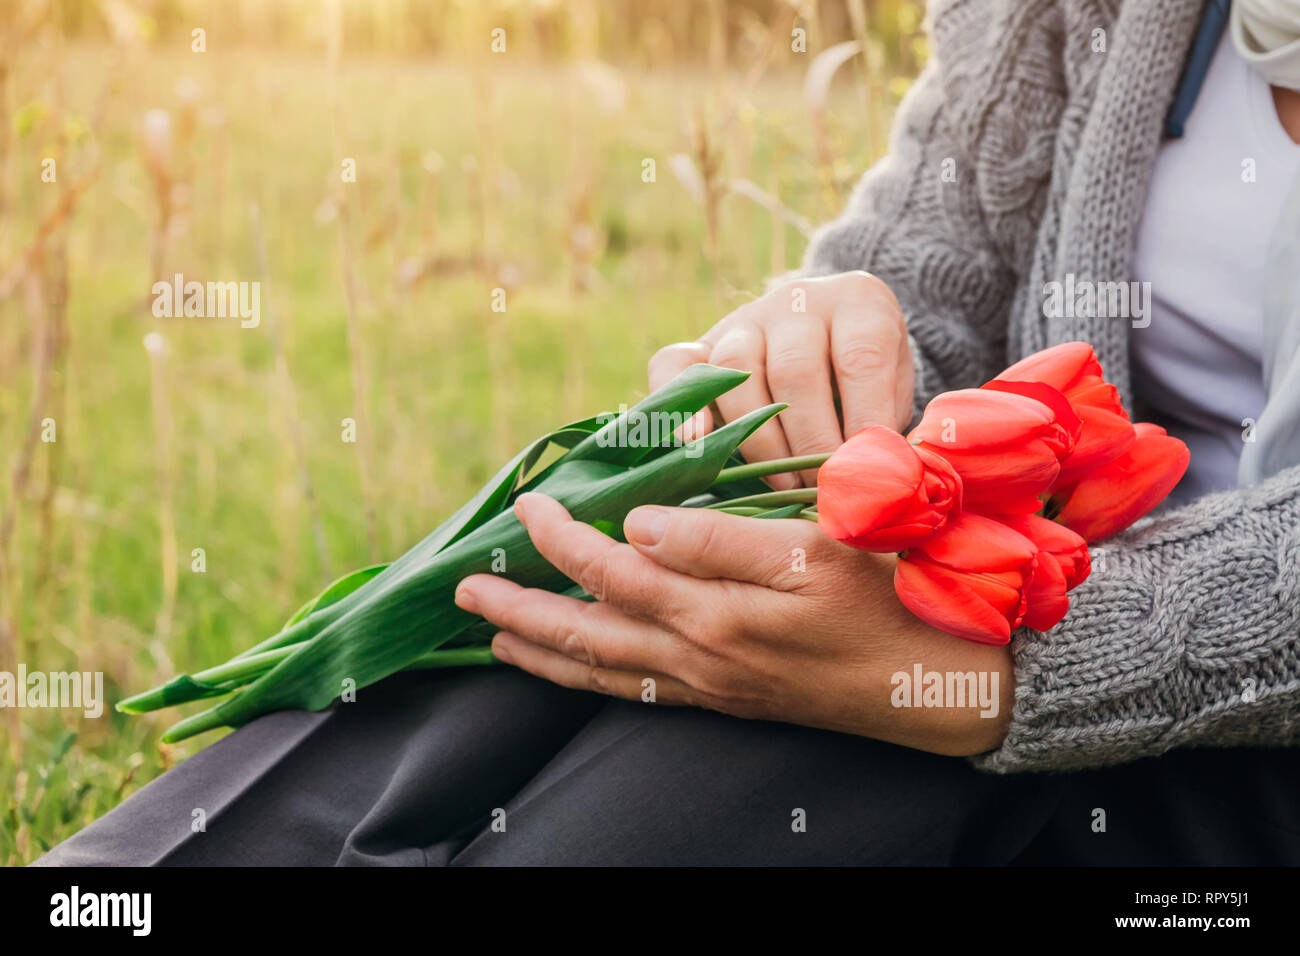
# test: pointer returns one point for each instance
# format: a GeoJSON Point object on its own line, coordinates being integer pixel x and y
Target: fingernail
{"type": "Point", "coordinates": [465, 601]}
{"type": "Point", "coordinates": [500, 653]}
{"type": "Point", "coordinates": [524, 504]}
{"type": "Point", "coordinates": [646, 525]}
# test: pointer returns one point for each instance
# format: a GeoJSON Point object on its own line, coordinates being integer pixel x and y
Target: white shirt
{"type": "Point", "coordinates": [1202, 244]}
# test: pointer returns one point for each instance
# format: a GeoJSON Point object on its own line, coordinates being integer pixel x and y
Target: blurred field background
{"type": "Point", "coordinates": [522, 170]}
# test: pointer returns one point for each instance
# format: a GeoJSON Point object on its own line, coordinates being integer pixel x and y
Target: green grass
{"type": "Point", "coordinates": [452, 388]}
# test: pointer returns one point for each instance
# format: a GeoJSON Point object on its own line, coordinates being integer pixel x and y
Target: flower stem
{"type": "Point", "coordinates": [244, 667]}
{"type": "Point", "coordinates": [453, 657]}
{"type": "Point", "coordinates": [777, 466]}
{"type": "Point", "coordinates": [770, 499]}
{"type": "Point", "coordinates": [243, 670]}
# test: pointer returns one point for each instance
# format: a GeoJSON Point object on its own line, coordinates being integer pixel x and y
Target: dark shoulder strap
{"type": "Point", "coordinates": [1213, 23]}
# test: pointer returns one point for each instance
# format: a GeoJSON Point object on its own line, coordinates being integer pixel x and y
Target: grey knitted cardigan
{"type": "Point", "coordinates": [1186, 634]}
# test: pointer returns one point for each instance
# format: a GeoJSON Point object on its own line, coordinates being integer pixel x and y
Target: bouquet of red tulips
{"type": "Point", "coordinates": [991, 502]}
{"type": "Point", "coordinates": [993, 498]}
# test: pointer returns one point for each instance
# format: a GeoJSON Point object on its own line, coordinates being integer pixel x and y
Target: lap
{"type": "Point", "coordinates": [409, 764]}
{"type": "Point", "coordinates": [491, 766]}
{"type": "Point", "coordinates": [641, 785]}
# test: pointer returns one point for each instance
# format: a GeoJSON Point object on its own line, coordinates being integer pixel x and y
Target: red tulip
{"type": "Point", "coordinates": [1073, 370]}
{"type": "Point", "coordinates": [1103, 438]}
{"type": "Point", "coordinates": [970, 580]}
{"type": "Point", "coordinates": [1108, 500]}
{"type": "Point", "coordinates": [1005, 446]}
{"type": "Point", "coordinates": [879, 493]}
{"type": "Point", "coordinates": [1063, 563]}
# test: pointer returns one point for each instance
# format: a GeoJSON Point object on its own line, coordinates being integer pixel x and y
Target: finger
{"type": "Point", "coordinates": [607, 569]}
{"type": "Point", "coordinates": [593, 633]}
{"type": "Point", "coordinates": [742, 348]}
{"type": "Point", "coordinates": [712, 544]}
{"type": "Point", "coordinates": [867, 347]}
{"type": "Point", "coordinates": [550, 665]}
{"type": "Point", "coordinates": [669, 362]}
{"type": "Point", "coordinates": [799, 374]}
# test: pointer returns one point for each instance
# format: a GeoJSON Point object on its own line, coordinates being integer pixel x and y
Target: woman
{"type": "Point", "coordinates": [1030, 152]}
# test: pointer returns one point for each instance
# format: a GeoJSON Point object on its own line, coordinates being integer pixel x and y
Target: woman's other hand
{"type": "Point", "coordinates": [813, 344]}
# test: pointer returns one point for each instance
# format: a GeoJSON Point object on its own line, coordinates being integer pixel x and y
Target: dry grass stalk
{"type": "Point", "coordinates": [347, 259]}
{"type": "Point", "coordinates": [56, 306]}
{"type": "Point", "coordinates": [19, 479]}
{"type": "Point", "coordinates": [155, 348]}
{"type": "Point", "coordinates": [816, 94]}
{"type": "Point", "coordinates": [50, 224]}
{"type": "Point", "coordinates": [290, 394]}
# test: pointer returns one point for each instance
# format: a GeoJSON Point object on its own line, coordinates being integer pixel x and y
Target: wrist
{"type": "Point", "coordinates": [947, 695]}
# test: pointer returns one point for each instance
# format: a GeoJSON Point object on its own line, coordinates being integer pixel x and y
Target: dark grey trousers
{"type": "Point", "coordinates": [491, 766]}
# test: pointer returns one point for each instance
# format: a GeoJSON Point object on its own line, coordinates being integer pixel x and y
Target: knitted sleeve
{"type": "Point", "coordinates": [949, 217]}
{"type": "Point", "coordinates": [1187, 633]}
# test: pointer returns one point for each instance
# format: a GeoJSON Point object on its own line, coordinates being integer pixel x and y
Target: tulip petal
{"type": "Point", "coordinates": [1114, 496]}
{"type": "Point", "coordinates": [974, 418]}
{"type": "Point", "coordinates": [1060, 366]}
{"type": "Point", "coordinates": [1002, 482]}
{"type": "Point", "coordinates": [1052, 538]}
{"type": "Point", "coordinates": [1005, 445]}
{"type": "Point", "coordinates": [939, 597]}
{"type": "Point", "coordinates": [1098, 394]}
{"type": "Point", "coordinates": [1072, 369]}
{"type": "Point", "coordinates": [1103, 438]}
{"type": "Point", "coordinates": [877, 493]}
{"type": "Point", "coordinates": [1049, 396]}
{"type": "Point", "coordinates": [973, 542]}
{"type": "Point", "coordinates": [1046, 601]}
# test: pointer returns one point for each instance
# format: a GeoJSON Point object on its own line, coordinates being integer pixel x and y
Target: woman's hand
{"type": "Point", "coordinates": [756, 618]}
{"type": "Point", "coordinates": [807, 343]}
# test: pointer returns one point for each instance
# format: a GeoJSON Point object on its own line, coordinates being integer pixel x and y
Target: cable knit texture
{"type": "Point", "coordinates": [1023, 153]}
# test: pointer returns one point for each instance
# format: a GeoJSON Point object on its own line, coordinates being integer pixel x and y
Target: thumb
{"type": "Point", "coordinates": [712, 544]}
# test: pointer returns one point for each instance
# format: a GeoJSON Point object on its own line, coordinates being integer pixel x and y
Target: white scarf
{"type": "Point", "coordinates": [1277, 433]}
{"type": "Point", "coordinates": [1267, 35]}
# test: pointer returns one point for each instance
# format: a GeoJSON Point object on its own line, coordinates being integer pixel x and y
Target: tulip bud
{"type": "Point", "coordinates": [878, 493]}
{"type": "Point", "coordinates": [1073, 370]}
{"type": "Point", "coordinates": [1006, 446]}
{"type": "Point", "coordinates": [1109, 499]}
{"type": "Point", "coordinates": [971, 580]}
{"type": "Point", "coordinates": [1063, 563]}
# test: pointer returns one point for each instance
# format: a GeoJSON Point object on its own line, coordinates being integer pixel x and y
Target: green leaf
{"type": "Point", "coordinates": [178, 690]}
{"type": "Point", "coordinates": [336, 591]}
{"type": "Point", "coordinates": [789, 511]}
{"type": "Point", "coordinates": [488, 502]}
{"type": "Point", "coordinates": [660, 412]}
{"type": "Point", "coordinates": [588, 439]}
{"type": "Point", "coordinates": [409, 610]}
{"type": "Point", "coordinates": [595, 455]}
